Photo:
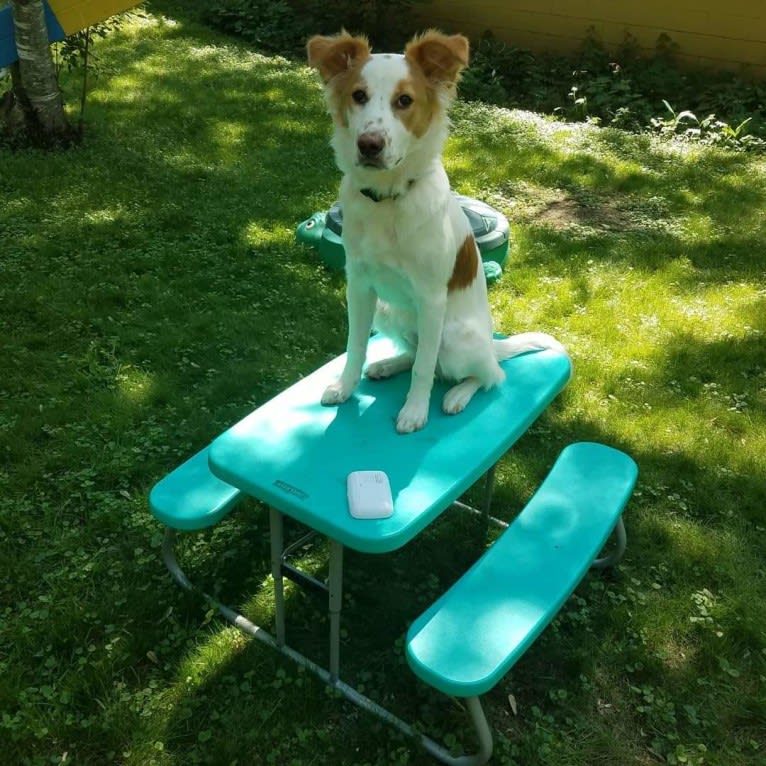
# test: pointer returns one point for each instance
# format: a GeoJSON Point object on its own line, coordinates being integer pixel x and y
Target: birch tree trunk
{"type": "Point", "coordinates": [36, 105]}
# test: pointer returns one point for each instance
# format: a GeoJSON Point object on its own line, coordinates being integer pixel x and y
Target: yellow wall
{"type": "Point", "coordinates": [727, 34]}
{"type": "Point", "coordinates": [74, 15]}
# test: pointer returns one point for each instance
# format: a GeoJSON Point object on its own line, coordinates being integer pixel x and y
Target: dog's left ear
{"type": "Point", "coordinates": [336, 54]}
{"type": "Point", "coordinates": [441, 57]}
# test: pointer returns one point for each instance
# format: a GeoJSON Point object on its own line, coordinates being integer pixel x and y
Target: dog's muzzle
{"type": "Point", "coordinates": [370, 146]}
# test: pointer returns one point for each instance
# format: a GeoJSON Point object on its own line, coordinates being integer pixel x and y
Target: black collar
{"type": "Point", "coordinates": [375, 197]}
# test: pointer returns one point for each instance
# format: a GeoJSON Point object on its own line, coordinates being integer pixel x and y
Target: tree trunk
{"type": "Point", "coordinates": [36, 101]}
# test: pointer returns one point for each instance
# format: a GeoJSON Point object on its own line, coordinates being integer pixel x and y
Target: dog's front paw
{"type": "Point", "coordinates": [336, 393]}
{"type": "Point", "coordinates": [412, 417]}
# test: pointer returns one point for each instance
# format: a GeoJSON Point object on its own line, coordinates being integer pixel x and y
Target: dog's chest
{"type": "Point", "coordinates": [398, 233]}
{"type": "Point", "coordinates": [391, 284]}
{"type": "Point", "coordinates": [391, 250]}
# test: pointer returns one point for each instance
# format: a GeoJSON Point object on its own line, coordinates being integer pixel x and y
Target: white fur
{"type": "Point", "coordinates": [400, 256]}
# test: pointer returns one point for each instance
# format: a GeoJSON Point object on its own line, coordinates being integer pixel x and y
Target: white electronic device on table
{"type": "Point", "coordinates": [369, 495]}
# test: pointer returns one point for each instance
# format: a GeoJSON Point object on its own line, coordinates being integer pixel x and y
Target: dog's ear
{"type": "Point", "coordinates": [441, 57]}
{"type": "Point", "coordinates": [336, 54]}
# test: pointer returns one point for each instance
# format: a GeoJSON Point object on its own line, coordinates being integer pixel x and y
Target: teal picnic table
{"type": "Point", "coordinates": [295, 455]}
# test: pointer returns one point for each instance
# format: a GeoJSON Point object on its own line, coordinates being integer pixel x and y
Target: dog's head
{"type": "Point", "coordinates": [386, 103]}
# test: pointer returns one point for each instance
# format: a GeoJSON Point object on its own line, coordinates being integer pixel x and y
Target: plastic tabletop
{"type": "Point", "coordinates": [295, 454]}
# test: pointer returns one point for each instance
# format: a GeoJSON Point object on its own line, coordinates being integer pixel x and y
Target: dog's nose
{"type": "Point", "coordinates": [370, 145]}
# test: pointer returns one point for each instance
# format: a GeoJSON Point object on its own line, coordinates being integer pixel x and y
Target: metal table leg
{"type": "Point", "coordinates": [276, 527]}
{"type": "Point", "coordinates": [298, 576]}
{"type": "Point", "coordinates": [615, 555]}
{"type": "Point", "coordinates": [489, 487]}
{"type": "Point", "coordinates": [336, 601]}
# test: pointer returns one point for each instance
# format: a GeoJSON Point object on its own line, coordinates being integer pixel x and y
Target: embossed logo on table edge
{"type": "Point", "coordinates": [290, 489]}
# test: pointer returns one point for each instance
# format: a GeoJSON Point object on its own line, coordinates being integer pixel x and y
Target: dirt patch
{"type": "Point", "coordinates": [566, 212]}
{"type": "Point", "coordinates": [586, 211]}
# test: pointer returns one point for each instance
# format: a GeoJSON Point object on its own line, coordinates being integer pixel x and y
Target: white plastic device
{"type": "Point", "coordinates": [369, 495]}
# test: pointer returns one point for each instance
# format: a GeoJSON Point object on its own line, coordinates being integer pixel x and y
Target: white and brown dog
{"type": "Point", "coordinates": [412, 264]}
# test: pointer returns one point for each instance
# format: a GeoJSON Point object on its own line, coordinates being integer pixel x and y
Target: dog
{"type": "Point", "coordinates": [413, 268]}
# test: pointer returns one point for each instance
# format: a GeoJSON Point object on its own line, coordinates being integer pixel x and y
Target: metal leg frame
{"type": "Point", "coordinates": [330, 677]}
{"type": "Point", "coordinates": [489, 486]}
{"type": "Point", "coordinates": [297, 575]}
{"type": "Point", "coordinates": [612, 558]}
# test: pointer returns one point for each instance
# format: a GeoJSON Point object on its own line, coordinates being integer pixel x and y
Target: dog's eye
{"type": "Point", "coordinates": [359, 96]}
{"type": "Point", "coordinates": [404, 101]}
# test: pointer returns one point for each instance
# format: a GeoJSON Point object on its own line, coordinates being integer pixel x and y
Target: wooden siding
{"type": "Point", "coordinates": [730, 35]}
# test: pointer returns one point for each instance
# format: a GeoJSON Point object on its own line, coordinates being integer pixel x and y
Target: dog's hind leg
{"type": "Point", "coordinates": [457, 398]}
{"type": "Point", "coordinates": [387, 368]}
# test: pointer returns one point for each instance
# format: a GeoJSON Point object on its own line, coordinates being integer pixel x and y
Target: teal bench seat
{"type": "Point", "coordinates": [191, 497]}
{"type": "Point", "coordinates": [471, 636]}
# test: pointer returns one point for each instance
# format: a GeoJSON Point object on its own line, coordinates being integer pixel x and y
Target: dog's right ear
{"type": "Point", "coordinates": [336, 54]}
{"type": "Point", "coordinates": [440, 57]}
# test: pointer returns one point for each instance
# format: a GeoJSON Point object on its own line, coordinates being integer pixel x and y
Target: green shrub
{"type": "Point", "coordinates": [273, 25]}
{"type": "Point", "coordinates": [387, 23]}
{"type": "Point", "coordinates": [282, 27]}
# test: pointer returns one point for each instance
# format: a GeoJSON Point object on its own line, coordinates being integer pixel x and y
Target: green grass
{"type": "Point", "coordinates": [151, 294]}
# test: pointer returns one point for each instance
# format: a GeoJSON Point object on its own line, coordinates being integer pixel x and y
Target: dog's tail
{"type": "Point", "coordinates": [514, 345]}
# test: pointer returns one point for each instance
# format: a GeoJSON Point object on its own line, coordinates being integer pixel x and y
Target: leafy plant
{"type": "Point", "coordinates": [273, 25]}
{"type": "Point", "coordinates": [282, 26]}
{"type": "Point", "coordinates": [387, 23]}
{"type": "Point", "coordinates": [709, 130]}
{"type": "Point", "coordinates": [499, 73]}
{"type": "Point", "coordinates": [76, 52]}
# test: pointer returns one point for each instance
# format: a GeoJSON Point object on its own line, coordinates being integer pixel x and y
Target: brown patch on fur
{"type": "Point", "coordinates": [435, 62]}
{"type": "Point", "coordinates": [440, 57]}
{"type": "Point", "coordinates": [337, 54]}
{"type": "Point", "coordinates": [339, 93]}
{"type": "Point", "coordinates": [339, 59]}
{"type": "Point", "coordinates": [416, 117]}
{"type": "Point", "coordinates": [466, 265]}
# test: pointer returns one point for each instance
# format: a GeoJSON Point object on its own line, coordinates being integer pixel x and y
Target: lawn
{"type": "Point", "coordinates": [152, 293]}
